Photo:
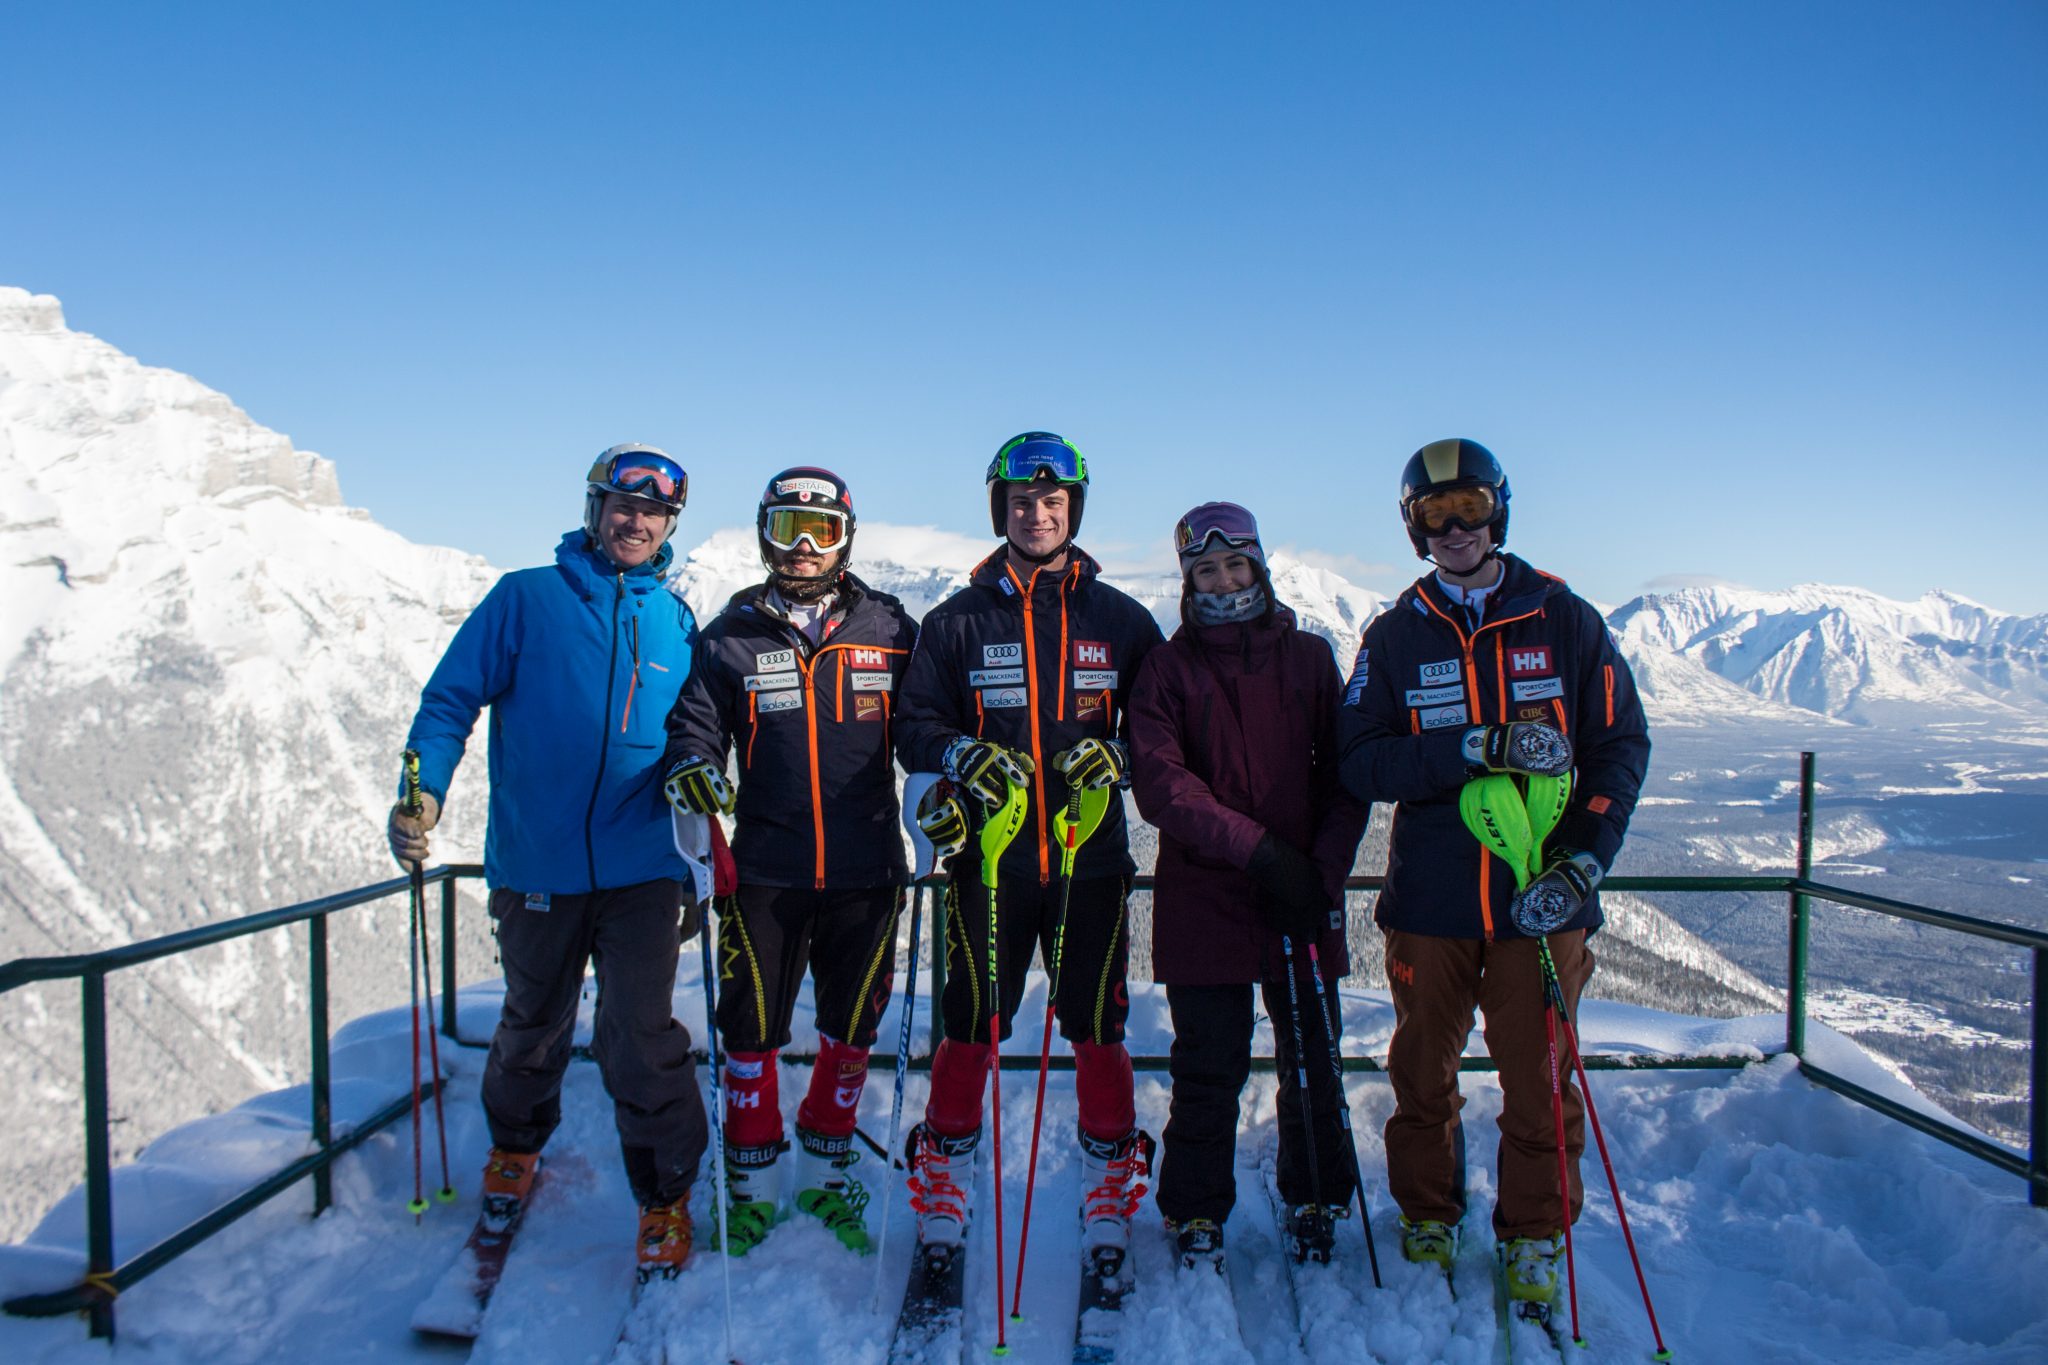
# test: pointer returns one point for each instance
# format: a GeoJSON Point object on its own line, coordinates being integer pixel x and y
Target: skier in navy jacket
{"type": "Point", "coordinates": [798, 677]}
{"type": "Point", "coordinates": [1485, 666]}
{"type": "Point", "coordinates": [578, 663]}
{"type": "Point", "coordinates": [1020, 679]}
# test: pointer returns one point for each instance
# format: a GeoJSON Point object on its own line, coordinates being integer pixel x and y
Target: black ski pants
{"type": "Point", "coordinates": [633, 934]}
{"type": "Point", "coordinates": [1211, 1059]}
{"type": "Point", "coordinates": [1093, 1000]}
{"type": "Point", "coordinates": [769, 935]}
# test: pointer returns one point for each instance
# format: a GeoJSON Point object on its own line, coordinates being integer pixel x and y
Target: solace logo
{"type": "Point", "coordinates": [1089, 654]}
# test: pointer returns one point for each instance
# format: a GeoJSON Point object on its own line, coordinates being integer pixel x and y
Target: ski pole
{"type": "Point", "coordinates": [1072, 825]}
{"type": "Point", "coordinates": [1571, 1037]}
{"type": "Point", "coordinates": [446, 1194]}
{"type": "Point", "coordinates": [711, 1050]}
{"type": "Point", "coordinates": [1308, 1114]}
{"type": "Point", "coordinates": [996, 833]}
{"type": "Point", "coordinates": [1564, 1188]}
{"type": "Point", "coordinates": [896, 1104]}
{"type": "Point", "coordinates": [1333, 1028]}
{"type": "Point", "coordinates": [417, 1207]}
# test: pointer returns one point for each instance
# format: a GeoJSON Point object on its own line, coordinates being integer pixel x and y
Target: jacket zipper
{"type": "Point", "coordinates": [603, 738]}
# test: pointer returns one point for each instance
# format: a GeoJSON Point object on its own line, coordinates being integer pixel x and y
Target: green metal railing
{"type": "Point", "coordinates": [95, 1294]}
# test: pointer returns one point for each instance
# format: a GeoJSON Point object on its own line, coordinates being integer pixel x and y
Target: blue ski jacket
{"type": "Point", "coordinates": [579, 663]}
{"type": "Point", "coordinates": [1423, 676]}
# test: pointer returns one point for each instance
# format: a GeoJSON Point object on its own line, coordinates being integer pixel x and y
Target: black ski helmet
{"type": "Point", "coordinates": [809, 488]}
{"type": "Point", "coordinates": [1029, 457]}
{"type": "Point", "coordinates": [638, 471]}
{"type": "Point", "coordinates": [1454, 463]}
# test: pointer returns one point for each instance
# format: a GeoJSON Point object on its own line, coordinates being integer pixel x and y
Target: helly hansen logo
{"type": "Point", "coordinates": [1090, 654]}
{"type": "Point", "coordinates": [1401, 971]}
{"type": "Point", "coordinates": [860, 657]}
{"type": "Point", "coordinates": [1529, 660]}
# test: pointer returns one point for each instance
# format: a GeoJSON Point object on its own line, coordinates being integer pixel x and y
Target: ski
{"type": "Point", "coordinates": [1106, 1277]}
{"type": "Point", "coordinates": [455, 1308]}
{"type": "Point", "coordinates": [931, 1325]}
{"type": "Point", "coordinates": [1513, 1311]}
{"type": "Point", "coordinates": [1270, 1177]}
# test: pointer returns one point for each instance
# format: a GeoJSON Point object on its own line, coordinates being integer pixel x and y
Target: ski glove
{"type": "Point", "coordinates": [696, 786]}
{"type": "Point", "coordinates": [1549, 903]}
{"type": "Point", "coordinates": [1095, 763]}
{"type": "Point", "coordinates": [1292, 898]}
{"type": "Point", "coordinates": [987, 770]}
{"type": "Point", "coordinates": [1522, 747]}
{"type": "Point", "coordinates": [408, 832]}
{"type": "Point", "coordinates": [943, 819]}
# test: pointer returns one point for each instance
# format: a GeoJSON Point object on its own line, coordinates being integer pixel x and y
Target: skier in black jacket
{"type": "Point", "coordinates": [1020, 678]}
{"type": "Point", "coordinates": [799, 676]}
{"type": "Point", "coordinates": [1485, 666]}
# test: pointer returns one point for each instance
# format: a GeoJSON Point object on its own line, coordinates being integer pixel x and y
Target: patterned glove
{"type": "Point", "coordinates": [1522, 747]}
{"type": "Point", "coordinates": [697, 786]}
{"type": "Point", "coordinates": [943, 819]}
{"type": "Point", "coordinates": [408, 833]}
{"type": "Point", "coordinates": [1549, 903]}
{"type": "Point", "coordinates": [986, 770]}
{"type": "Point", "coordinates": [1094, 763]}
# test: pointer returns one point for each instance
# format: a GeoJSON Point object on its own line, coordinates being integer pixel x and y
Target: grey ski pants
{"type": "Point", "coordinates": [633, 934]}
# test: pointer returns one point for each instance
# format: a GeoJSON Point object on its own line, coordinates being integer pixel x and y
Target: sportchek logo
{"type": "Point", "coordinates": [1090, 654]}
{"type": "Point", "coordinates": [1528, 660]}
{"type": "Point", "coordinates": [863, 657]}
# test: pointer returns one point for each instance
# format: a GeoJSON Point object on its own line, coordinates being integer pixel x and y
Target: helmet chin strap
{"type": "Point", "coordinates": [1492, 553]}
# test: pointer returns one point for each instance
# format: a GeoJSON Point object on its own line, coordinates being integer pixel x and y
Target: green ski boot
{"type": "Point", "coordinates": [827, 1192]}
{"type": "Point", "coordinates": [1429, 1241]}
{"type": "Point", "coordinates": [754, 1200]}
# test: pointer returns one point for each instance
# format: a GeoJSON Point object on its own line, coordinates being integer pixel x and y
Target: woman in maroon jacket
{"type": "Point", "coordinates": [1234, 760]}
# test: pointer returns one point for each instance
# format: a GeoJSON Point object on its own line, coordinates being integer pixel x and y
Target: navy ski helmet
{"type": "Point", "coordinates": [1438, 471]}
{"type": "Point", "coordinates": [1032, 456]}
{"type": "Point", "coordinates": [806, 504]}
{"type": "Point", "coordinates": [639, 471]}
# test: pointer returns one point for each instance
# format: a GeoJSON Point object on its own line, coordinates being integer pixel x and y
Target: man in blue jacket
{"type": "Point", "coordinates": [1485, 666]}
{"type": "Point", "coordinates": [579, 663]}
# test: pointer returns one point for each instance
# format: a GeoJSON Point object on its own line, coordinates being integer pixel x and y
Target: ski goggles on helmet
{"type": "Point", "coordinates": [646, 474]}
{"type": "Point", "coordinates": [1201, 530]}
{"type": "Point", "coordinates": [1039, 455]}
{"type": "Point", "coordinates": [787, 527]}
{"type": "Point", "coordinates": [1467, 507]}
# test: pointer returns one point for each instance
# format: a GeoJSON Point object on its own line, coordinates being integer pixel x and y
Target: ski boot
{"type": "Point", "coordinates": [754, 1200]}
{"type": "Point", "coordinates": [1528, 1267]}
{"type": "Point", "coordinates": [1311, 1232]}
{"type": "Point", "coordinates": [508, 1181]}
{"type": "Point", "coordinates": [1201, 1243]}
{"type": "Point", "coordinates": [1112, 1181]}
{"type": "Point", "coordinates": [826, 1191]}
{"type": "Point", "coordinates": [665, 1239]}
{"type": "Point", "coordinates": [940, 1170]}
{"type": "Point", "coordinates": [1429, 1241]}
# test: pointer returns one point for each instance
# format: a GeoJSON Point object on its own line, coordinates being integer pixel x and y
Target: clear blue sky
{"type": "Point", "coordinates": [1749, 290]}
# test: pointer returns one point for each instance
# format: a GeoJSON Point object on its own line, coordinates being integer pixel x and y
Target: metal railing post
{"type": "Point", "coordinates": [941, 938]}
{"type": "Point", "coordinates": [2037, 1090]}
{"type": "Point", "coordinates": [1801, 916]}
{"type": "Point", "coordinates": [323, 1109]}
{"type": "Point", "coordinates": [99, 1179]}
{"type": "Point", "coordinates": [448, 957]}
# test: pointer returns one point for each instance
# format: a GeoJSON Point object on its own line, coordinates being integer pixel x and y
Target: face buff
{"type": "Point", "coordinates": [1222, 608]}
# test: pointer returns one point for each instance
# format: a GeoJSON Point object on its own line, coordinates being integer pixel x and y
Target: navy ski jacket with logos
{"type": "Point", "coordinates": [812, 727]}
{"type": "Point", "coordinates": [578, 663]}
{"type": "Point", "coordinates": [1036, 665]}
{"type": "Point", "coordinates": [1423, 676]}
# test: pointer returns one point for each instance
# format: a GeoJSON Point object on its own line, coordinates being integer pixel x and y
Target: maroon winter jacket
{"type": "Point", "coordinates": [1233, 734]}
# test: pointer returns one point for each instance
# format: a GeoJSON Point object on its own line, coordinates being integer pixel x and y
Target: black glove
{"type": "Point", "coordinates": [697, 786]}
{"type": "Point", "coordinates": [943, 820]}
{"type": "Point", "coordinates": [1548, 904]}
{"type": "Point", "coordinates": [1094, 763]}
{"type": "Point", "coordinates": [1521, 747]}
{"type": "Point", "coordinates": [1292, 899]}
{"type": "Point", "coordinates": [987, 770]}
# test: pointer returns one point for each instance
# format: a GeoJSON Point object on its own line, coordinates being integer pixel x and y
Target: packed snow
{"type": "Point", "coordinates": [1777, 1222]}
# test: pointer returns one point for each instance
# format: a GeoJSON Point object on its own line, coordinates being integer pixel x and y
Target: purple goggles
{"type": "Point", "coordinates": [1200, 529]}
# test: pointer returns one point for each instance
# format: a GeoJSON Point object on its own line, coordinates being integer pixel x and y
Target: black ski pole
{"type": "Point", "coordinates": [896, 1104]}
{"type": "Point", "coordinates": [1308, 1113]}
{"type": "Point", "coordinates": [712, 1052]}
{"type": "Point", "coordinates": [1333, 1029]}
{"type": "Point", "coordinates": [416, 874]}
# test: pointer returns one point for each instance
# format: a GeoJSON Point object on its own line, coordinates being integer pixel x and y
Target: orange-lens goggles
{"type": "Point", "coordinates": [789, 525]}
{"type": "Point", "coordinates": [1467, 508]}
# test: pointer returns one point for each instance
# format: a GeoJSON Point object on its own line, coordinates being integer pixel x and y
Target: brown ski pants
{"type": "Point", "coordinates": [1437, 983]}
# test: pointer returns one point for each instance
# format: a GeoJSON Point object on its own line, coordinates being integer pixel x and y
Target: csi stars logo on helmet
{"type": "Point", "coordinates": [803, 490]}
